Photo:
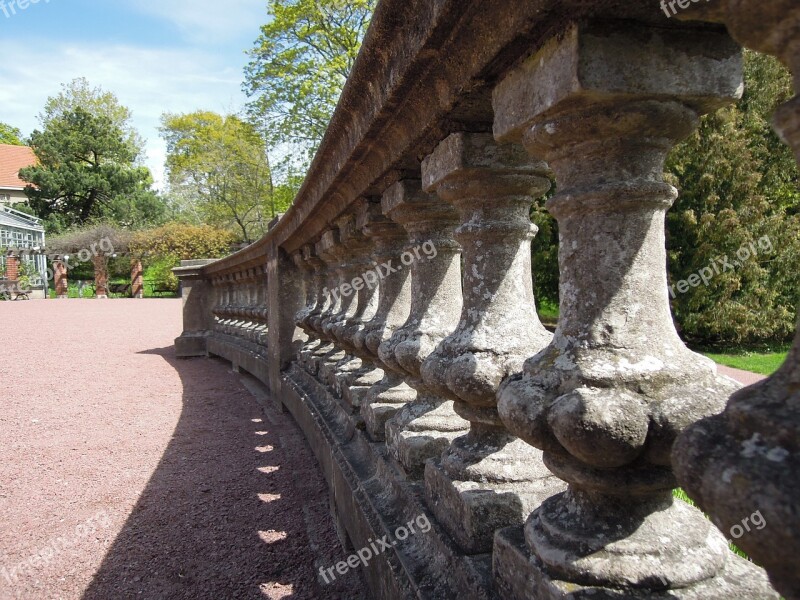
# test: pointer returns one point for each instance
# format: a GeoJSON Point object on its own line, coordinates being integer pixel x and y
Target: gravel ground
{"type": "Point", "coordinates": [129, 474]}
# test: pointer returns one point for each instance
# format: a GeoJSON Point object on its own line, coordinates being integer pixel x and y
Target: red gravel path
{"type": "Point", "coordinates": [140, 476]}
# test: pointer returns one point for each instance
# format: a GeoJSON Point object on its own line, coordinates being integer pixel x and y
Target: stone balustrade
{"type": "Point", "coordinates": [391, 311]}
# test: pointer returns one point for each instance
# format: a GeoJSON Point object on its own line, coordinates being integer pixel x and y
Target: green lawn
{"type": "Point", "coordinates": [765, 363]}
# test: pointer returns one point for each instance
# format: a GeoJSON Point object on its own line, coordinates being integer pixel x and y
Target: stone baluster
{"type": "Point", "coordinates": [253, 308]}
{"type": "Point", "coordinates": [222, 306]}
{"type": "Point", "coordinates": [745, 462]}
{"type": "Point", "coordinates": [357, 376]}
{"type": "Point", "coordinates": [311, 291]}
{"type": "Point", "coordinates": [331, 306]}
{"type": "Point", "coordinates": [354, 246]}
{"type": "Point", "coordinates": [333, 246]}
{"type": "Point", "coordinates": [423, 428]}
{"type": "Point", "coordinates": [606, 399]}
{"type": "Point", "coordinates": [391, 393]}
{"type": "Point", "coordinates": [263, 306]}
{"type": "Point", "coordinates": [364, 306]}
{"type": "Point", "coordinates": [238, 301]}
{"type": "Point", "coordinates": [319, 303]}
{"type": "Point", "coordinates": [486, 479]}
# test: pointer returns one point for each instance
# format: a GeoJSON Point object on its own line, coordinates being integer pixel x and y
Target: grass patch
{"type": "Point", "coordinates": [763, 362]}
{"type": "Point", "coordinates": [548, 311]}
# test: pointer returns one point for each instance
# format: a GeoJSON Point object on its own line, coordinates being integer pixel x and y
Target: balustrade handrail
{"type": "Point", "coordinates": [405, 94]}
{"type": "Point", "coordinates": [555, 452]}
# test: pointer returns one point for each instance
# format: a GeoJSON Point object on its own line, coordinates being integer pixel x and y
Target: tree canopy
{"type": "Point", "coordinates": [738, 214]}
{"type": "Point", "coordinates": [79, 93]}
{"type": "Point", "coordinates": [298, 67]}
{"type": "Point", "coordinates": [10, 135]}
{"type": "Point", "coordinates": [219, 165]}
{"type": "Point", "coordinates": [86, 172]}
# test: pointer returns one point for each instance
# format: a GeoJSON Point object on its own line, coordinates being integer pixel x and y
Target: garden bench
{"type": "Point", "coordinates": [123, 289]}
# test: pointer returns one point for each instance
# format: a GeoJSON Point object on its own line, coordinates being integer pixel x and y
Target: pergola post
{"type": "Point", "coordinates": [100, 277]}
{"type": "Point", "coordinates": [137, 279]}
{"type": "Point", "coordinates": [12, 267]}
{"type": "Point", "coordinates": [60, 279]}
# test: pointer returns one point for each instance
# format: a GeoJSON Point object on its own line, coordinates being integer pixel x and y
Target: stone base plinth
{"type": "Point", "coordinates": [471, 512]}
{"type": "Point", "coordinates": [520, 576]}
{"type": "Point", "coordinates": [376, 415]}
{"type": "Point", "coordinates": [421, 431]}
{"type": "Point", "coordinates": [191, 344]}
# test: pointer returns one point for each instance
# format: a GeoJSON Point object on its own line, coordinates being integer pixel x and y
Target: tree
{"type": "Point", "coordinates": [739, 192]}
{"type": "Point", "coordinates": [79, 93]}
{"type": "Point", "coordinates": [738, 187]}
{"type": "Point", "coordinates": [10, 135]}
{"type": "Point", "coordinates": [220, 163]}
{"type": "Point", "coordinates": [86, 172]}
{"type": "Point", "coordinates": [299, 65]}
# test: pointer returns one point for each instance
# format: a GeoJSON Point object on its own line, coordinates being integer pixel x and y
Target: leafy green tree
{"type": "Point", "coordinates": [87, 172]}
{"type": "Point", "coordinates": [738, 214]}
{"type": "Point", "coordinates": [79, 93]}
{"type": "Point", "coordinates": [299, 65]}
{"type": "Point", "coordinates": [10, 135]}
{"type": "Point", "coordinates": [739, 186]}
{"type": "Point", "coordinates": [220, 164]}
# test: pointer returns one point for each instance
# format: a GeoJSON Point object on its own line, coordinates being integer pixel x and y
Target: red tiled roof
{"type": "Point", "coordinates": [12, 159]}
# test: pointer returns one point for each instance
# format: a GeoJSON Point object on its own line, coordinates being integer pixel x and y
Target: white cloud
{"type": "Point", "coordinates": [148, 81]}
{"type": "Point", "coordinates": [203, 20]}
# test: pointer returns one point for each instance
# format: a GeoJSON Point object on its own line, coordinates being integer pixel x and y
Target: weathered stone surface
{"type": "Point", "coordinates": [492, 187]}
{"type": "Point", "coordinates": [426, 426]}
{"type": "Point", "coordinates": [607, 398]}
{"type": "Point", "coordinates": [391, 393]}
{"type": "Point", "coordinates": [608, 412]}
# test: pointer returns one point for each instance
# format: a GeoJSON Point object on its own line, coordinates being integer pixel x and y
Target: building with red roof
{"type": "Point", "coordinates": [12, 159]}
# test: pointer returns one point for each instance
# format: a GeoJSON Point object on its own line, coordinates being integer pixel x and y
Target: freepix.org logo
{"type": "Point", "coordinates": [10, 7]}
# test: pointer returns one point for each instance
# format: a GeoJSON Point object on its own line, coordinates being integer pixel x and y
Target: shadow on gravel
{"type": "Point", "coordinates": [236, 508]}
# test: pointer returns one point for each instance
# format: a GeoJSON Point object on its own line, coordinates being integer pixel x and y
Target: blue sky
{"type": "Point", "coordinates": [156, 55]}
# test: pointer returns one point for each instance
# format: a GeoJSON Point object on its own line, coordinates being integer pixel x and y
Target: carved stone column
{"type": "Point", "coordinates": [391, 393]}
{"type": "Point", "coordinates": [262, 308]}
{"type": "Point", "coordinates": [423, 428]}
{"type": "Point", "coordinates": [487, 479]}
{"type": "Point", "coordinates": [319, 303]}
{"type": "Point", "coordinates": [356, 376]}
{"type": "Point", "coordinates": [746, 461]}
{"type": "Point", "coordinates": [604, 105]}
{"type": "Point", "coordinates": [328, 250]}
{"type": "Point", "coordinates": [354, 246]}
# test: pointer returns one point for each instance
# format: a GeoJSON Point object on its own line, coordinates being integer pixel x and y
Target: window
{"type": "Point", "coordinates": [5, 198]}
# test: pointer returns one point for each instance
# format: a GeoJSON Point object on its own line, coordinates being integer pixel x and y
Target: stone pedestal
{"type": "Point", "coordinates": [486, 479]}
{"type": "Point", "coordinates": [606, 399]}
